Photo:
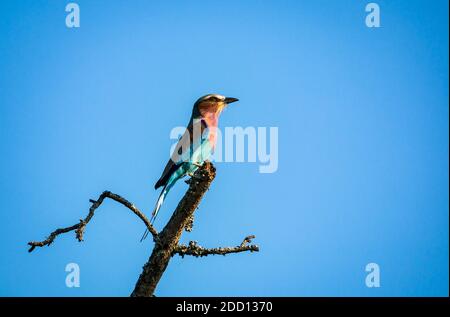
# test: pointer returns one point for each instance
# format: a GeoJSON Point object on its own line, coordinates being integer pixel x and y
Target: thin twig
{"type": "Point", "coordinates": [196, 250]}
{"type": "Point", "coordinates": [81, 226]}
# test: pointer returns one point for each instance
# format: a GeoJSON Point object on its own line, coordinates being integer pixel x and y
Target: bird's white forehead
{"type": "Point", "coordinates": [220, 97]}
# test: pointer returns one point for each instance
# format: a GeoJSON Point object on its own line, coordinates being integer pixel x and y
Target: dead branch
{"type": "Point", "coordinates": [198, 251]}
{"type": "Point", "coordinates": [166, 242]}
{"type": "Point", "coordinates": [170, 235]}
{"type": "Point", "coordinates": [81, 226]}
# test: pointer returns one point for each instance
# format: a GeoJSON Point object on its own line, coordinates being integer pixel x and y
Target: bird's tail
{"type": "Point", "coordinates": [158, 205]}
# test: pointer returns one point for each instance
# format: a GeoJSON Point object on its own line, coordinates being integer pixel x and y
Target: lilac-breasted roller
{"type": "Point", "coordinates": [195, 146]}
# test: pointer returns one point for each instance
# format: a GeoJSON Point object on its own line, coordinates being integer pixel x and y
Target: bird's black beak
{"type": "Point", "coordinates": [229, 100]}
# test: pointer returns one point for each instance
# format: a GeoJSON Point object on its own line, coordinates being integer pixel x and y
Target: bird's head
{"type": "Point", "coordinates": [211, 104]}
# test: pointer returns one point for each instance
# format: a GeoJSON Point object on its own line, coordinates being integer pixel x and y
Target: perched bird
{"type": "Point", "coordinates": [194, 147]}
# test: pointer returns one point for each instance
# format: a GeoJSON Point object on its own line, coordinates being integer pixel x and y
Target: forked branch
{"type": "Point", "coordinates": [166, 242]}
{"type": "Point", "coordinates": [81, 226]}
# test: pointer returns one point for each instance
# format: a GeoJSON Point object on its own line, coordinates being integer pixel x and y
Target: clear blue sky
{"type": "Point", "coordinates": [363, 122]}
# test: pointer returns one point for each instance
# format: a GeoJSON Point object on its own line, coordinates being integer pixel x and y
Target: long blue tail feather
{"type": "Point", "coordinates": [158, 205]}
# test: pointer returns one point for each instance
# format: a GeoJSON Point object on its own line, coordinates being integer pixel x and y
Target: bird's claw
{"type": "Point", "coordinates": [192, 176]}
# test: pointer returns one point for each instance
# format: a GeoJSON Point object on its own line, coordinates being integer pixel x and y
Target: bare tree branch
{"type": "Point", "coordinates": [198, 251]}
{"type": "Point", "coordinates": [170, 235]}
{"type": "Point", "coordinates": [166, 242]}
{"type": "Point", "coordinates": [81, 226]}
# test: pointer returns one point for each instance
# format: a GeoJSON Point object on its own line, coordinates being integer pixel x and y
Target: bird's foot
{"type": "Point", "coordinates": [189, 180]}
{"type": "Point", "coordinates": [192, 176]}
{"type": "Point", "coordinates": [197, 164]}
